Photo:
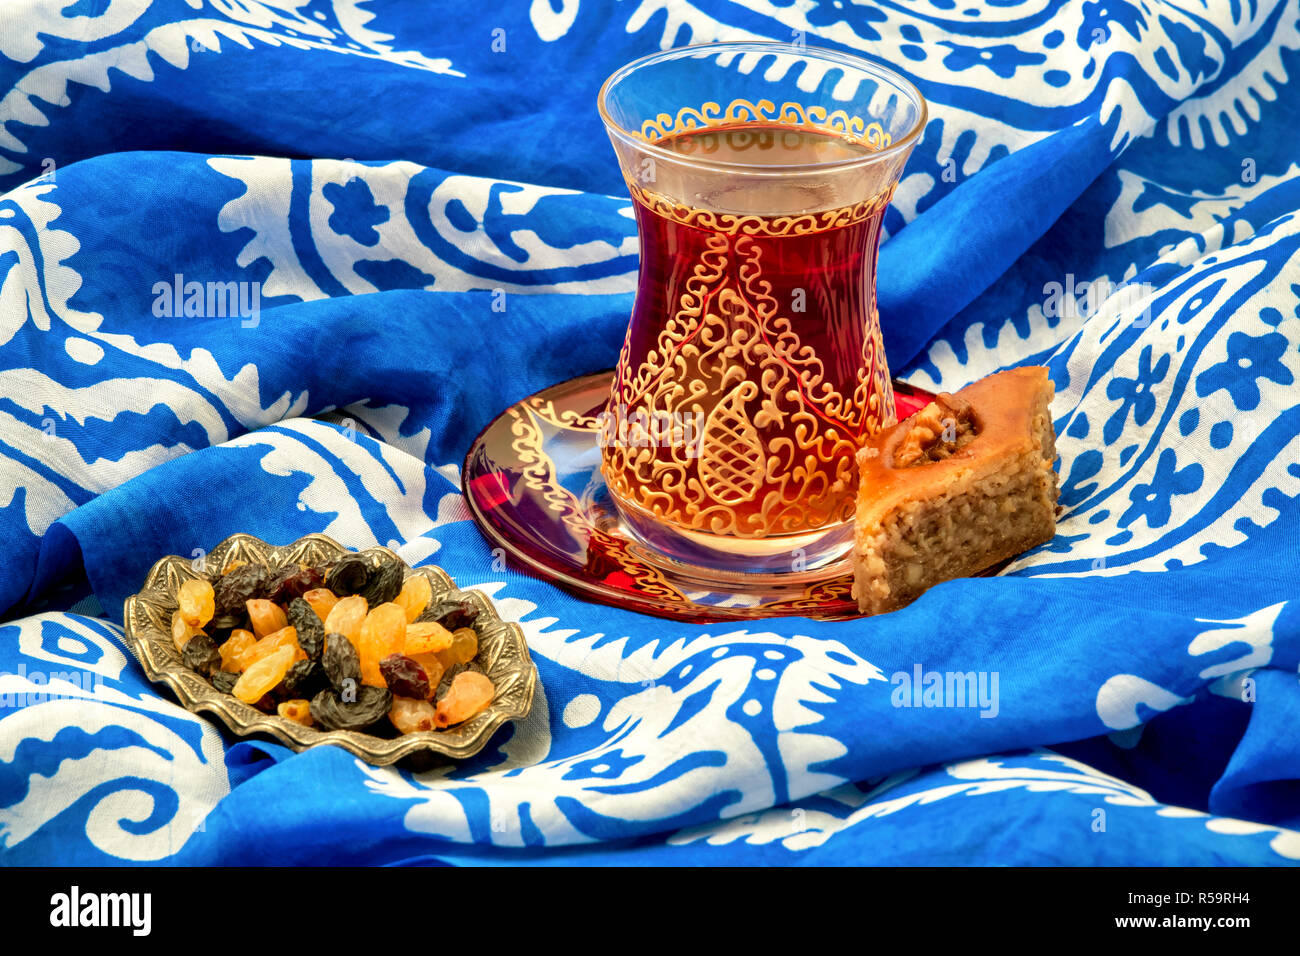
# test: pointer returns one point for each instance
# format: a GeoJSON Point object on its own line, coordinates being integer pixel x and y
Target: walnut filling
{"type": "Point", "coordinates": [938, 431]}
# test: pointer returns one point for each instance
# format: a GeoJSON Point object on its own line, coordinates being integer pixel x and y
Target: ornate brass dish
{"type": "Point", "coordinates": [503, 655]}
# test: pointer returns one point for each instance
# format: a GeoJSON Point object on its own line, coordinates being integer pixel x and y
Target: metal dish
{"type": "Point", "coordinates": [503, 655]}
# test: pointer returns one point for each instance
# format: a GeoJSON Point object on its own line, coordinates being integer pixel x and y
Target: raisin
{"type": "Point", "coordinates": [267, 617]}
{"type": "Point", "coordinates": [382, 633]}
{"type": "Point", "coordinates": [263, 676]}
{"type": "Point", "coordinates": [427, 637]}
{"type": "Point", "coordinates": [201, 655]}
{"type": "Point", "coordinates": [464, 646]}
{"type": "Point", "coordinates": [383, 583]}
{"type": "Point", "coordinates": [293, 582]}
{"type": "Point", "coordinates": [304, 679]}
{"type": "Point", "coordinates": [196, 602]}
{"type": "Point", "coordinates": [233, 649]}
{"type": "Point", "coordinates": [228, 623]}
{"type": "Point", "coordinates": [411, 716]}
{"type": "Point", "coordinates": [415, 596]}
{"type": "Point", "coordinates": [346, 617]}
{"type": "Point", "coordinates": [285, 637]}
{"type": "Point", "coordinates": [224, 681]}
{"type": "Point", "coordinates": [322, 601]}
{"type": "Point", "coordinates": [433, 667]}
{"type": "Point", "coordinates": [348, 575]}
{"type": "Point", "coordinates": [341, 662]}
{"type": "Point", "coordinates": [451, 613]}
{"type": "Point", "coordinates": [182, 632]}
{"type": "Point", "coordinates": [449, 675]}
{"type": "Point", "coordinates": [405, 677]}
{"type": "Point", "coordinates": [334, 713]}
{"type": "Point", "coordinates": [311, 630]}
{"type": "Point", "coordinates": [469, 693]}
{"type": "Point", "coordinates": [297, 710]}
{"type": "Point", "coordinates": [235, 588]}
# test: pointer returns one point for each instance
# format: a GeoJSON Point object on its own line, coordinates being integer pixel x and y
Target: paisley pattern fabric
{"type": "Point", "coordinates": [269, 266]}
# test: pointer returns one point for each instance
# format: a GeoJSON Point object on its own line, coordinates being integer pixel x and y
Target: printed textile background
{"type": "Point", "coordinates": [1105, 187]}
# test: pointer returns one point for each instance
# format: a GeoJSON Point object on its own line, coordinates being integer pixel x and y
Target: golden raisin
{"type": "Point", "coordinates": [382, 633]}
{"type": "Point", "coordinates": [196, 602]}
{"type": "Point", "coordinates": [409, 715]}
{"type": "Point", "coordinates": [426, 637]}
{"type": "Point", "coordinates": [322, 601]}
{"type": "Point", "coordinates": [469, 693]}
{"type": "Point", "coordinates": [239, 641]}
{"type": "Point", "coordinates": [346, 618]}
{"type": "Point", "coordinates": [299, 711]}
{"type": "Point", "coordinates": [285, 637]}
{"type": "Point", "coordinates": [266, 616]}
{"type": "Point", "coordinates": [464, 645]}
{"type": "Point", "coordinates": [181, 630]}
{"type": "Point", "coordinates": [415, 596]}
{"type": "Point", "coordinates": [263, 676]}
{"type": "Point", "coordinates": [231, 566]}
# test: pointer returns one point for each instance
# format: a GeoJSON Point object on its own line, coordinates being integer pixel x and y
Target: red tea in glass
{"type": "Point", "coordinates": [753, 366]}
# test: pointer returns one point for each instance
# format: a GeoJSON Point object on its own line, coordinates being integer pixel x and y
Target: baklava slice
{"type": "Point", "coordinates": [958, 487]}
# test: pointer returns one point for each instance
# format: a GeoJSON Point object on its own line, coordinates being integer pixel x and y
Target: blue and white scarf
{"type": "Point", "coordinates": [1106, 187]}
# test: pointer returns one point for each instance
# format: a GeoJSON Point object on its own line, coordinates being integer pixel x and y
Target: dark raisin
{"type": "Point", "coordinates": [267, 703]}
{"type": "Point", "coordinates": [227, 623]}
{"type": "Point", "coordinates": [293, 582]}
{"type": "Point", "coordinates": [348, 575]}
{"type": "Point", "coordinates": [405, 677]}
{"type": "Point", "coordinates": [341, 663]}
{"type": "Point", "coordinates": [311, 632]}
{"type": "Point", "coordinates": [383, 584]}
{"type": "Point", "coordinates": [451, 613]}
{"type": "Point", "coordinates": [224, 681]}
{"type": "Point", "coordinates": [304, 680]}
{"type": "Point", "coordinates": [336, 712]}
{"type": "Point", "coordinates": [234, 588]}
{"type": "Point", "coordinates": [201, 655]}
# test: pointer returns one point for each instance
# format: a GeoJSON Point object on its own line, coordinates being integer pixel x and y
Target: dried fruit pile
{"type": "Point", "coordinates": [340, 646]}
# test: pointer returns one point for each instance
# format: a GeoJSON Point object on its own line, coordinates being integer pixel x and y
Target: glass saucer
{"type": "Point", "coordinates": [533, 483]}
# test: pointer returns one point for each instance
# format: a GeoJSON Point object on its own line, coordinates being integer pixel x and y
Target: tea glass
{"type": "Point", "coordinates": [753, 366]}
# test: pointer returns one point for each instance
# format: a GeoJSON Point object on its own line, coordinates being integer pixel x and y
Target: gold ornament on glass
{"type": "Point", "coordinates": [753, 366]}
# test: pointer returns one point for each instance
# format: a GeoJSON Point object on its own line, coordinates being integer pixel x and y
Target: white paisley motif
{"type": "Point", "coordinates": [264, 207]}
{"type": "Point", "coordinates": [642, 731]}
{"type": "Point", "coordinates": [165, 760]}
{"type": "Point", "coordinates": [249, 22]}
{"type": "Point", "coordinates": [798, 828]}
